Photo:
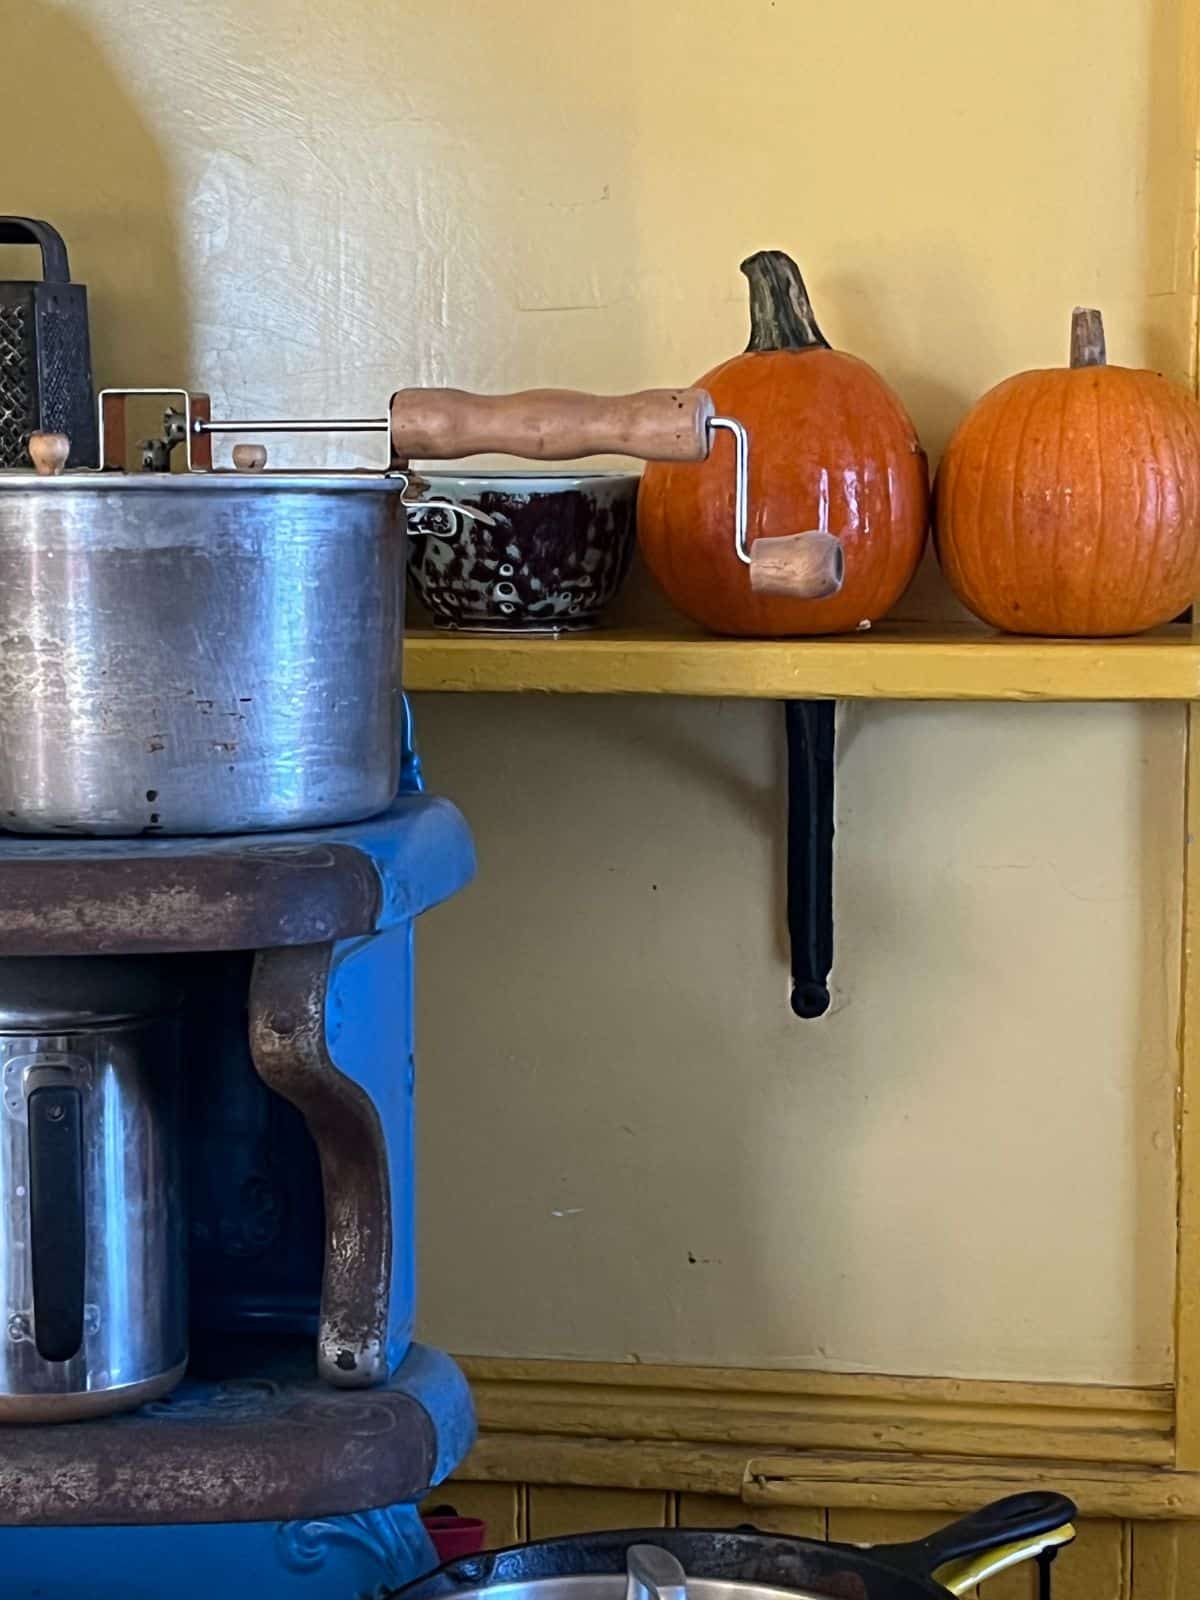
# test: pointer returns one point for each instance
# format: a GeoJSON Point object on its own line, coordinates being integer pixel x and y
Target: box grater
{"type": "Point", "coordinates": [45, 358]}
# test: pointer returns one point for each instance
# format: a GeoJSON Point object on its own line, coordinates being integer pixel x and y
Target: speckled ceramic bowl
{"type": "Point", "coordinates": [554, 555]}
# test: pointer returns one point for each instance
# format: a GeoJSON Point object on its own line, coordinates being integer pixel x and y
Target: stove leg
{"type": "Point", "coordinates": [329, 1031]}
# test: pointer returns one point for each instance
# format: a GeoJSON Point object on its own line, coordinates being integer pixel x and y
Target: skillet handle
{"type": "Point", "coordinates": [965, 1575]}
{"type": "Point", "coordinates": [1015, 1528]}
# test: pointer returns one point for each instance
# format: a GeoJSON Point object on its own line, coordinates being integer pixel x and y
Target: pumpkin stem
{"type": "Point", "coordinates": [781, 314]}
{"type": "Point", "coordinates": [1087, 338]}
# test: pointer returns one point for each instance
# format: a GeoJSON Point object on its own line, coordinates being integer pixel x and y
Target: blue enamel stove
{"type": "Point", "coordinates": [291, 1458]}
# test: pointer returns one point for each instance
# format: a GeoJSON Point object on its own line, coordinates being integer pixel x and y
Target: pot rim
{"type": "Point", "coordinates": [92, 481]}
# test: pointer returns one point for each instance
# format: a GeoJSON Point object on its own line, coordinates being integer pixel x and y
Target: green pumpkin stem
{"type": "Point", "coordinates": [1087, 338]}
{"type": "Point", "coordinates": [781, 314]}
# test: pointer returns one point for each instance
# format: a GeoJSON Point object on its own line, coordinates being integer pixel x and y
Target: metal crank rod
{"type": "Point", "coordinates": [201, 425]}
{"type": "Point", "coordinates": [253, 457]}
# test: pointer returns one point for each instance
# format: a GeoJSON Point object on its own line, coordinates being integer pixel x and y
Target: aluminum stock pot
{"type": "Point", "coordinates": [199, 651]}
{"type": "Point", "coordinates": [685, 1564]}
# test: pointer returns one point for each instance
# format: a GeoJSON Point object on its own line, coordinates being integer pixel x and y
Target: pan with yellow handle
{"type": "Point", "coordinates": [741, 1564]}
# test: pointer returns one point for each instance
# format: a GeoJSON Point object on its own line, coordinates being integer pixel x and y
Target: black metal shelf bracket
{"type": "Point", "coordinates": [810, 765]}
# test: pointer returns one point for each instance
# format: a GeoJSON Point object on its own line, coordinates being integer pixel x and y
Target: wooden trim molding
{"type": "Point", "coordinates": [933, 1483]}
{"type": "Point", "coordinates": [825, 1440]}
{"type": "Point", "coordinates": [822, 1411]}
{"type": "Point", "coordinates": [898, 1482]}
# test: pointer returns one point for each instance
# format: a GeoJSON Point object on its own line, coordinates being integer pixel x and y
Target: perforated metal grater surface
{"type": "Point", "coordinates": [45, 355]}
{"type": "Point", "coordinates": [16, 392]}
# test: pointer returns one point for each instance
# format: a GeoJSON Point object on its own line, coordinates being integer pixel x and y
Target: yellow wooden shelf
{"type": "Point", "coordinates": [896, 661]}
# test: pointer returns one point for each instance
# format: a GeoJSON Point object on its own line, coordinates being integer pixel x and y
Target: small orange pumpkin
{"type": "Point", "coordinates": [1068, 501]}
{"type": "Point", "coordinates": [831, 448]}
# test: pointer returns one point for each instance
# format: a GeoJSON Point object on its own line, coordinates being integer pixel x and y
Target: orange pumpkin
{"type": "Point", "coordinates": [1068, 501]}
{"type": "Point", "coordinates": [831, 448]}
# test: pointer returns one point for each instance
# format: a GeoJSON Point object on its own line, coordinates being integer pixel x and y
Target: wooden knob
{"type": "Point", "coordinates": [249, 457]}
{"type": "Point", "coordinates": [551, 424]}
{"type": "Point", "coordinates": [49, 452]}
{"type": "Point", "coordinates": [803, 566]}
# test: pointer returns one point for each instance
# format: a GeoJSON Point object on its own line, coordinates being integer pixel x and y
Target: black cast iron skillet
{"type": "Point", "coordinates": [838, 1571]}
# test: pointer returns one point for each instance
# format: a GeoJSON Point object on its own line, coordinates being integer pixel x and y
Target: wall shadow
{"type": "Point", "coordinates": [79, 151]}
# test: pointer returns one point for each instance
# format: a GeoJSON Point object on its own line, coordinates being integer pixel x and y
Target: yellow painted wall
{"type": "Point", "coordinates": [968, 1166]}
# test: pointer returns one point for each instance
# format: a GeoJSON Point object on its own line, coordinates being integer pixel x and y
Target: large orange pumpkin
{"type": "Point", "coordinates": [1068, 501]}
{"type": "Point", "coordinates": [831, 448]}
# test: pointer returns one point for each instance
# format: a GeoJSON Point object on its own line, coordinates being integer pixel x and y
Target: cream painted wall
{"type": "Point", "coordinates": [965, 1169]}
{"type": "Point", "coordinates": [968, 1166]}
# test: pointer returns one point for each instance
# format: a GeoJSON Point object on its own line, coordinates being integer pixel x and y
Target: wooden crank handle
{"type": "Point", "coordinates": [551, 424]}
{"type": "Point", "coordinates": [802, 566]}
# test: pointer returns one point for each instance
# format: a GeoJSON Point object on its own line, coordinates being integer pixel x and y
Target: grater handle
{"type": "Point", "coordinates": [28, 230]}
